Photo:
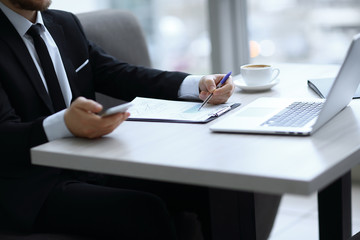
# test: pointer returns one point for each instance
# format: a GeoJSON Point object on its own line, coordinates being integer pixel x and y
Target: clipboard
{"type": "Point", "coordinates": [158, 110]}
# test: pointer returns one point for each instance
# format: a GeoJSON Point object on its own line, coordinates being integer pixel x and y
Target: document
{"type": "Point", "coordinates": [157, 110]}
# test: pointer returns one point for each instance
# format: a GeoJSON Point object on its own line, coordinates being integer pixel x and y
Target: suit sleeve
{"type": "Point", "coordinates": [17, 137]}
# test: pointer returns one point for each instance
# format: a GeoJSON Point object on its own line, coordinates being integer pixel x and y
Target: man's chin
{"type": "Point", "coordinates": [32, 5]}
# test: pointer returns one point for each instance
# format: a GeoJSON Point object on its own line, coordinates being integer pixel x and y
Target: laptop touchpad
{"type": "Point", "coordinates": [256, 112]}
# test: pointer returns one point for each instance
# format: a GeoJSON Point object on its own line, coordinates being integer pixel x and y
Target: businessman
{"type": "Point", "coordinates": [49, 73]}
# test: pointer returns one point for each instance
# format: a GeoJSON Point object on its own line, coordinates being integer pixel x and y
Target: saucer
{"type": "Point", "coordinates": [258, 88]}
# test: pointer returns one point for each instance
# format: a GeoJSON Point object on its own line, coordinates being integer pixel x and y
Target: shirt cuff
{"type": "Point", "coordinates": [55, 127]}
{"type": "Point", "coordinates": [189, 88]}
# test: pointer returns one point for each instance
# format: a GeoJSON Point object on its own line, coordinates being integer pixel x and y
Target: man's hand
{"type": "Point", "coordinates": [82, 121]}
{"type": "Point", "coordinates": [208, 84]}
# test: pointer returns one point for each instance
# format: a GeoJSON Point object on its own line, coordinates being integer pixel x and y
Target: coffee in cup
{"type": "Point", "coordinates": [258, 74]}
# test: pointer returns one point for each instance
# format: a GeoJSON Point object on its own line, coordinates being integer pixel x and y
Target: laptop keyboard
{"type": "Point", "coordinates": [297, 114]}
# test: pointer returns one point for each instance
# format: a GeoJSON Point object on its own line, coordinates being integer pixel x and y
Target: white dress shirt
{"type": "Point", "coordinates": [54, 125]}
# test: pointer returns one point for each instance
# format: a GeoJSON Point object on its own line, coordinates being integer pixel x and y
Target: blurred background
{"type": "Point", "coordinates": [296, 31]}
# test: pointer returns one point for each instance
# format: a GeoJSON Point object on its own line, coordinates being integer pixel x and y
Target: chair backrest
{"type": "Point", "coordinates": [119, 33]}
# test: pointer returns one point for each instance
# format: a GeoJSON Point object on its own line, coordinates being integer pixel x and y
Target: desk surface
{"type": "Point", "coordinates": [190, 153]}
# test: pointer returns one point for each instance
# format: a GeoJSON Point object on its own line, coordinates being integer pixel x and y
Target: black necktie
{"type": "Point", "coordinates": [51, 79]}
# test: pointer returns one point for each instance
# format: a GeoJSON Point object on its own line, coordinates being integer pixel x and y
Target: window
{"type": "Point", "coordinates": [304, 31]}
{"type": "Point", "coordinates": [80, 5]}
{"type": "Point", "coordinates": [308, 31]}
{"type": "Point", "coordinates": [176, 31]}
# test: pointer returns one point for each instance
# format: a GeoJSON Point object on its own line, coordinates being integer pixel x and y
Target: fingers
{"type": "Point", "coordinates": [105, 125]}
{"type": "Point", "coordinates": [88, 105]}
{"type": "Point", "coordinates": [226, 90]}
{"type": "Point", "coordinates": [210, 83]}
{"type": "Point", "coordinates": [220, 95]}
{"type": "Point", "coordinates": [82, 121]}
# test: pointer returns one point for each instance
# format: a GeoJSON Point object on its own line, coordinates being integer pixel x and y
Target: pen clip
{"type": "Point", "coordinates": [221, 111]}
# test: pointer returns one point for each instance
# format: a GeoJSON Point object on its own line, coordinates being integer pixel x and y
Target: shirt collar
{"type": "Point", "coordinates": [20, 23]}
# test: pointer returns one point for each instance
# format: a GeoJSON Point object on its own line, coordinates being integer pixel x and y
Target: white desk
{"type": "Point", "coordinates": [190, 153]}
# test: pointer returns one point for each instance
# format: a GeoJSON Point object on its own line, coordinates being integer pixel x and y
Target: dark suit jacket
{"type": "Point", "coordinates": [24, 104]}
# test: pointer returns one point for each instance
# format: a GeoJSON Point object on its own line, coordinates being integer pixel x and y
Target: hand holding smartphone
{"type": "Point", "coordinates": [117, 109]}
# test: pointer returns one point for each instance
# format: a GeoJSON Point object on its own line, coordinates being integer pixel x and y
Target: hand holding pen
{"type": "Point", "coordinates": [218, 94]}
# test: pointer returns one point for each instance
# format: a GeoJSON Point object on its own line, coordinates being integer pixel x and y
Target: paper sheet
{"type": "Point", "coordinates": [165, 110]}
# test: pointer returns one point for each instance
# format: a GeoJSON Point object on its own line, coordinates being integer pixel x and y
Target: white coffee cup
{"type": "Point", "coordinates": [258, 74]}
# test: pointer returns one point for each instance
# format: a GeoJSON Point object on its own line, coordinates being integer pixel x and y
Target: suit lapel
{"type": "Point", "coordinates": [9, 34]}
{"type": "Point", "coordinates": [58, 35]}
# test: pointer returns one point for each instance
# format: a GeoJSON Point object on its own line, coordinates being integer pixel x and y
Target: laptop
{"type": "Point", "coordinates": [297, 116]}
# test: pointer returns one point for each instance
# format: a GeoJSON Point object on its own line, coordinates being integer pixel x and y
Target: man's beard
{"type": "Point", "coordinates": [32, 5]}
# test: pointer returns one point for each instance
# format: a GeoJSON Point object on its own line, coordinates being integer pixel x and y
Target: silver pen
{"type": "Point", "coordinates": [218, 86]}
